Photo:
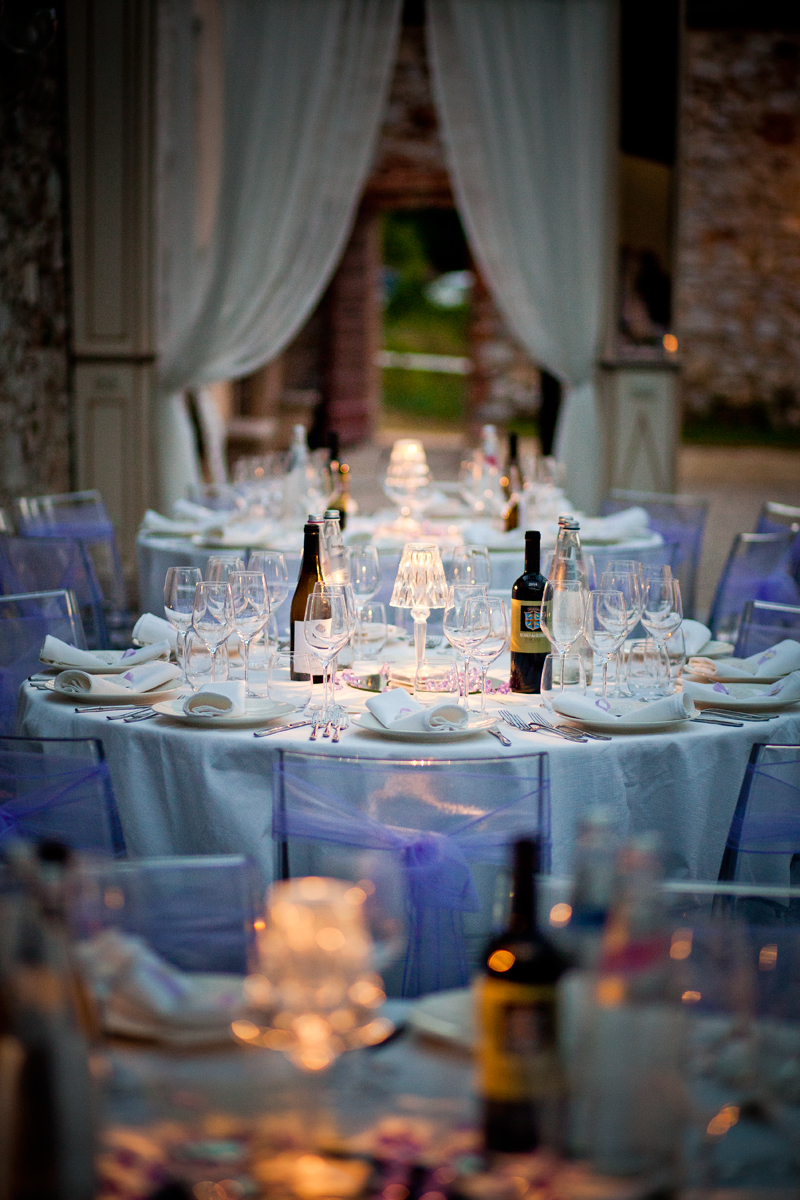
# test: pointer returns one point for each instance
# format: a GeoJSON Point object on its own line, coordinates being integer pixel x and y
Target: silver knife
{"type": "Point", "coordinates": [501, 737]}
{"type": "Point", "coordinates": [281, 728]}
{"type": "Point", "coordinates": [716, 721]}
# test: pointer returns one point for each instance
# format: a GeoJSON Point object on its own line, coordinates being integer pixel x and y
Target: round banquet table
{"type": "Point", "coordinates": [187, 790]}
{"type": "Point", "coordinates": [156, 554]}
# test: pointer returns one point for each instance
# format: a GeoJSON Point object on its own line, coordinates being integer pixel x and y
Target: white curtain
{"type": "Point", "coordinates": [268, 116]}
{"type": "Point", "coordinates": [525, 94]}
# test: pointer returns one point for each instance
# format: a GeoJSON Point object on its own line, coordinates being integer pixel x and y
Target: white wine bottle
{"type": "Point", "coordinates": [305, 661]}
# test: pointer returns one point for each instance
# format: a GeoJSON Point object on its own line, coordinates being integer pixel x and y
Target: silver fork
{"type": "Point", "coordinates": [315, 731]}
{"type": "Point", "coordinates": [138, 711]}
{"type": "Point", "coordinates": [736, 716]}
{"type": "Point", "coordinates": [511, 718]}
{"type": "Point", "coordinates": [543, 721]}
{"type": "Point", "coordinates": [342, 721]}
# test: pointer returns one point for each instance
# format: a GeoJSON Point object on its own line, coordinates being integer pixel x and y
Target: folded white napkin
{"type": "Point", "coordinates": [150, 628]}
{"type": "Point", "coordinates": [676, 707]}
{"type": "Point", "coordinates": [145, 678]}
{"type": "Point", "coordinates": [154, 524]}
{"type": "Point", "coordinates": [761, 695]}
{"type": "Point", "coordinates": [395, 709]}
{"type": "Point", "coordinates": [623, 526]}
{"type": "Point", "coordinates": [218, 700]}
{"type": "Point", "coordinates": [139, 994]}
{"type": "Point", "coordinates": [227, 531]}
{"type": "Point", "coordinates": [695, 636]}
{"type": "Point", "coordinates": [58, 652]}
{"type": "Point", "coordinates": [780, 659]}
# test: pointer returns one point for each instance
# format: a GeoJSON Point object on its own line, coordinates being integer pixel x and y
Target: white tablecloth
{"type": "Point", "coordinates": [184, 790]}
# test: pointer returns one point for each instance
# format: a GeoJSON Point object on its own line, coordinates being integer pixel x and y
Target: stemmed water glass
{"type": "Point", "coordinates": [605, 626]}
{"type": "Point", "coordinates": [625, 575]}
{"type": "Point", "coordinates": [458, 597]}
{"type": "Point", "coordinates": [330, 620]}
{"type": "Point", "coordinates": [471, 565]}
{"type": "Point", "coordinates": [212, 617]}
{"type": "Point", "coordinates": [491, 614]}
{"type": "Point", "coordinates": [365, 575]}
{"type": "Point", "coordinates": [179, 589]}
{"type": "Point", "coordinates": [662, 609]}
{"type": "Point", "coordinates": [250, 612]}
{"type": "Point", "coordinates": [272, 564]}
{"type": "Point", "coordinates": [221, 566]}
{"type": "Point", "coordinates": [561, 614]}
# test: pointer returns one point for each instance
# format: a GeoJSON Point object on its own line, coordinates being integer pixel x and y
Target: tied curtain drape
{"type": "Point", "coordinates": [524, 90]}
{"type": "Point", "coordinates": [268, 116]}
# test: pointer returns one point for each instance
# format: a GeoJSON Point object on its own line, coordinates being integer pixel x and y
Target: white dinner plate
{"type": "Point", "coordinates": [623, 726]}
{"type": "Point", "coordinates": [721, 677]}
{"type": "Point", "coordinates": [475, 725]}
{"type": "Point", "coordinates": [116, 667]}
{"type": "Point", "coordinates": [258, 711]}
{"type": "Point", "coordinates": [126, 697]}
{"type": "Point", "coordinates": [740, 700]}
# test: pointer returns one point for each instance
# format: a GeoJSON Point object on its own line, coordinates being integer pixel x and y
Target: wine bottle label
{"type": "Point", "coordinates": [518, 1054]}
{"type": "Point", "coordinates": [305, 656]}
{"type": "Point", "coordinates": [526, 630]}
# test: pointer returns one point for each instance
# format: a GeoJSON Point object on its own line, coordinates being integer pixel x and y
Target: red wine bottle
{"type": "Point", "coordinates": [529, 646]}
{"type": "Point", "coordinates": [521, 1080]}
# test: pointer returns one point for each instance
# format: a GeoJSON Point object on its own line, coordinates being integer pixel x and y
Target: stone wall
{"type": "Point", "coordinates": [738, 303]}
{"type": "Point", "coordinates": [34, 394]}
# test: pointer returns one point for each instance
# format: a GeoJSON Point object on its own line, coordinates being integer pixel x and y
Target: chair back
{"type": "Point", "coordinates": [42, 564]}
{"type": "Point", "coordinates": [6, 524]}
{"type": "Point", "coordinates": [433, 837]}
{"type": "Point", "coordinates": [775, 518]}
{"type": "Point", "coordinates": [81, 516]}
{"type": "Point", "coordinates": [195, 911]}
{"type": "Point", "coordinates": [678, 518]}
{"type": "Point", "coordinates": [25, 621]}
{"type": "Point", "coordinates": [764, 624]}
{"type": "Point", "coordinates": [756, 569]}
{"type": "Point", "coordinates": [763, 843]}
{"type": "Point", "coordinates": [59, 789]}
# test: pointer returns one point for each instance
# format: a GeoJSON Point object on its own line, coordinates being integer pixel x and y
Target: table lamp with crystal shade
{"type": "Point", "coordinates": [420, 585]}
{"type": "Point", "coordinates": [408, 482]}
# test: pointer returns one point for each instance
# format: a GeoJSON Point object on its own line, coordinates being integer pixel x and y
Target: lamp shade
{"type": "Point", "coordinates": [420, 581]}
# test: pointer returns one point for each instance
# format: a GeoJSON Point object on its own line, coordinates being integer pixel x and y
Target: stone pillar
{"type": "Point", "coordinates": [352, 379]}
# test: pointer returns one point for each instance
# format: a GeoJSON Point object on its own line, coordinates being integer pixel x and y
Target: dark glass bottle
{"type": "Point", "coordinates": [529, 646]}
{"type": "Point", "coordinates": [521, 1080]}
{"type": "Point", "coordinates": [310, 573]}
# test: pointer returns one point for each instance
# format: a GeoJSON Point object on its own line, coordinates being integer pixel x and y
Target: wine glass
{"type": "Point", "coordinates": [492, 615]}
{"type": "Point", "coordinates": [272, 565]}
{"type": "Point", "coordinates": [625, 576]}
{"type": "Point", "coordinates": [179, 589]}
{"type": "Point", "coordinates": [220, 566]}
{"type": "Point", "coordinates": [471, 565]}
{"type": "Point", "coordinates": [458, 597]}
{"type": "Point", "coordinates": [371, 632]}
{"type": "Point", "coordinates": [561, 614]}
{"type": "Point", "coordinates": [662, 609]}
{"type": "Point", "coordinates": [605, 626]}
{"type": "Point", "coordinates": [212, 617]}
{"type": "Point", "coordinates": [365, 575]}
{"type": "Point", "coordinates": [329, 621]}
{"type": "Point", "coordinates": [250, 612]}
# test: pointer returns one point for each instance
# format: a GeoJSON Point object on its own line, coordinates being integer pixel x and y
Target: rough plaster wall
{"type": "Point", "coordinates": [34, 398]}
{"type": "Point", "coordinates": [739, 242]}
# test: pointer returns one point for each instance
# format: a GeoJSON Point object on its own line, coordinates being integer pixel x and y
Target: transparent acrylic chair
{"type": "Point", "coordinates": [677, 518]}
{"type": "Point", "coordinates": [763, 842]}
{"type": "Point", "coordinates": [763, 624]}
{"type": "Point", "coordinates": [25, 621]}
{"type": "Point", "coordinates": [775, 518]}
{"type": "Point", "coordinates": [195, 911]}
{"type": "Point", "coordinates": [757, 568]}
{"type": "Point", "coordinates": [81, 516]}
{"type": "Point", "coordinates": [59, 789]}
{"type": "Point", "coordinates": [433, 837]}
{"type": "Point", "coordinates": [45, 564]}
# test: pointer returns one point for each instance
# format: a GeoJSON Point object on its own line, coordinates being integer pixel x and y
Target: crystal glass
{"type": "Point", "coordinates": [675, 649]}
{"type": "Point", "coordinates": [329, 622]}
{"type": "Point", "coordinates": [562, 673]}
{"type": "Point", "coordinates": [647, 671]}
{"type": "Point", "coordinates": [605, 626]}
{"type": "Point", "coordinates": [662, 610]}
{"type": "Point", "coordinates": [272, 565]}
{"type": "Point", "coordinates": [212, 617]}
{"type": "Point", "coordinates": [420, 586]}
{"type": "Point", "coordinates": [179, 588]}
{"type": "Point", "coordinates": [250, 612]}
{"type": "Point", "coordinates": [287, 683]}
{"type": "Point", "coordinates": [220, 566]}
{"type": "Point", "coordinates": [371, 632]}
{"type": "Point", "coordinates": [471, 565]}
{"type": "Point", "coordinates": [461, 636]}
{"type": "Point", "coordinates": [562, 611]}
{"type": "Point", "coordinates": [626, 576]}
{"type": "Point", "coordinates": [492, 615]}
{"type": "Point", "coordinates": [365, 572]}
{"type": "Point", "coordinates": [408, 480]}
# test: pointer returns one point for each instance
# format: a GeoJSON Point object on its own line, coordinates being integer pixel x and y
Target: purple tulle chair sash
{"type": "Point", "coordinates": [435, 865]}
{"type": "Point", "coordinates": [58, 796]}
{"type": "Point", "coordinates": [770, 821]}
